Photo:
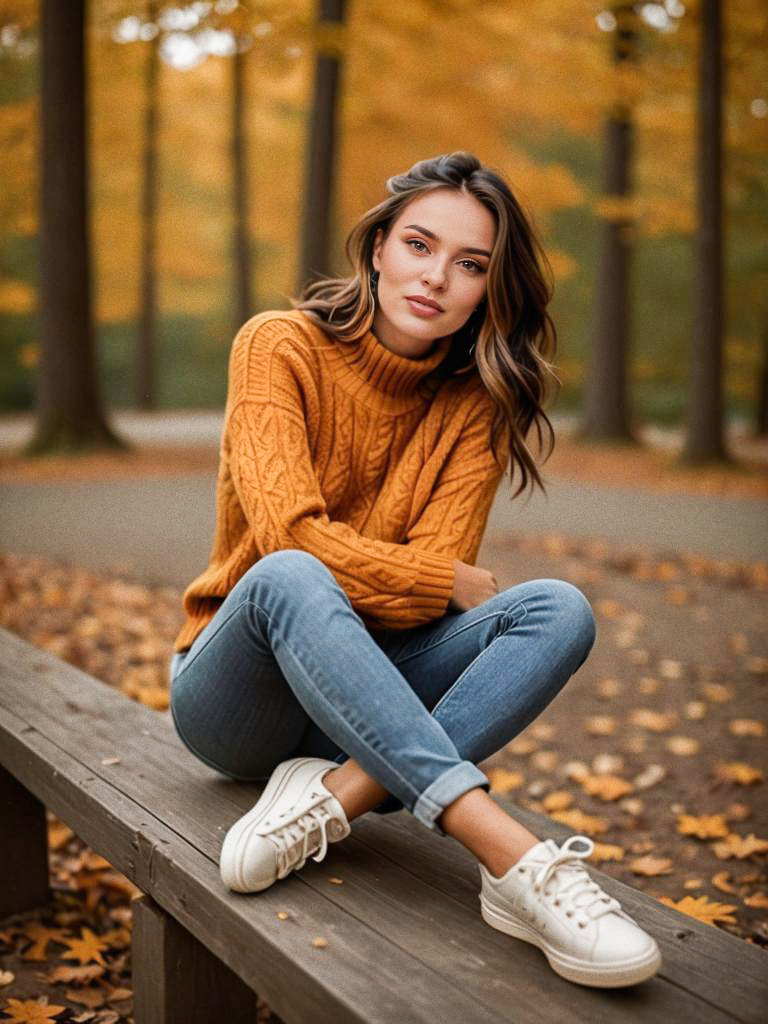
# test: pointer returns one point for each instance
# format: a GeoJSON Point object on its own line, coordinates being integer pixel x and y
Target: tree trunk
{"type": "Point", "coordinates": [704, 440]}
{"type": "Point", "coordinates": [242, 248]}
{"type": "Point", "coordinates": [606, 413]}
{"type": "Point", "coordinates": [69, 413]}
{"type": "Point", "coordinates": [761, 410]}
{"type": "Point", "coordinates": [146, 361]}
{"type": "Point", "coordinates": [318, 190]}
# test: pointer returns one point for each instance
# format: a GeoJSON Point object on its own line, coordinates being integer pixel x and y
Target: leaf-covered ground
{"type": "Point", "coordinates": [655, 748]}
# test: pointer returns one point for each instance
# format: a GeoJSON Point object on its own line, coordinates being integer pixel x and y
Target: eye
{"type": "Point", "coordinates": [417, 241]}
{"type": "Point", "coordinates": [476, 267]}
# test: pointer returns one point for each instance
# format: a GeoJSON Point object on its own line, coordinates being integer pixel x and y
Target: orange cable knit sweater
{"type": "Point", "coordinates": [339, 450]}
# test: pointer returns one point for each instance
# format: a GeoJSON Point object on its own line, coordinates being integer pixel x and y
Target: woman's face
{"type": "Point", "coordinates": [438, 248]}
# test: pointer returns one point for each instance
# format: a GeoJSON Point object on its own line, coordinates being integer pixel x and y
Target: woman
{"type": "Point", "coordinates": [342, 643]}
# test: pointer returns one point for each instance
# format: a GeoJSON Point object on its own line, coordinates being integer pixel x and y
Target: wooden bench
{"type": "Point", "coordinates": [405, 940]}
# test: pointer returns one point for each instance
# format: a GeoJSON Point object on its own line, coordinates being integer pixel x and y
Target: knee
{"type": "Point", "coordinates": [290, 568]}
{"type": "Point", "coordinates": [573, 612]}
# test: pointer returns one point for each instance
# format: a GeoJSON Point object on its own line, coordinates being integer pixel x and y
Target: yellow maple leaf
{"type": "Point", "coordinates": [580, 821]}
{"type": "Point", "coordinates": [702, 909]}
{"type": "Point", "coordinates": [651, 866]}
{"type": "Point", "coordinates": [606, 851]}
{"type": "Point", "coordinates": [746, 727]}
{"type": "Point", "coordinates": [706, 826]}
{"type": "Point", "coordinates": [739, 846]}
{"type": "Point", "coordinates": [737, 771]}
{"type": "Point", "coordinates": [88, 947]}
{"type": "Point", "coordinates": [30, 1011]}
{"type": "Point", "coordinates": [502, 780]}
{"type": "Point", "coordinates": [557, 800]}
{"type": "Point", "coordinates": [606, 787]}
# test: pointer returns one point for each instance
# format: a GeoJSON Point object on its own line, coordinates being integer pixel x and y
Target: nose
{"type": "Point", "coordinates": [434, 276]}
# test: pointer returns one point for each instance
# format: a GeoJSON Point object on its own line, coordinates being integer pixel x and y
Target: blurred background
{"type": "Point", "coordinates": [230, 147]}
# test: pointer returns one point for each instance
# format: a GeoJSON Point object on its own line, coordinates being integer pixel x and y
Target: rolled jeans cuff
{"type": "Point", "coordinates": [443, 791]}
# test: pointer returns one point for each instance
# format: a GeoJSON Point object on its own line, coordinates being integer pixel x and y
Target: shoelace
{"type": "Point", "coordinates": [581, 884]}
{"type": "Point", "coordinates": [297, 831]}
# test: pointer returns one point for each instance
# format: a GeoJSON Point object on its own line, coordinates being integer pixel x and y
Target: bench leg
{"type": "Point", "coordinates": [176, 980]}
{"type": "Point", "coordinates": [24, 881]}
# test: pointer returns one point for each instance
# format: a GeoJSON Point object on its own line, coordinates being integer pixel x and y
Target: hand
{"type": "Point", "coordinates": [471, 586]}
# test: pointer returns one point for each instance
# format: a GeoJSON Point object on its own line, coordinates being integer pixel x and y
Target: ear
{"type": "Point", "coordinates": [376, 251]}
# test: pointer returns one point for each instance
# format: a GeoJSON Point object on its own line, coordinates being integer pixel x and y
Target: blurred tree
{"type": "Point", "coordinates": [319, 207]}
{"type": "Point", "coordinates": [69, 412]}
{"type": "Point", "coordinates": [146, 370]}
{"type": "Point", "coordinates": [704, 439]}
{"type": "Point", "coordinates": [606, 402]}
{"type": "Point", "coordinates": [240, 183]}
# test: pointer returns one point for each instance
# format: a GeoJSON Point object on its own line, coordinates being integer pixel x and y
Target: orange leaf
{"type": "Point", "coordinates": [502, 781]}
{"type": "Point", "coordinates": [654, 721]}
{"type": "Point", "coordinates": [758, 899]}
{"type": "Point", "coordinates": [746, 727]}
{"type": "Point", "coordinates": [702, 909]}
{"type": "Point", "coordinates": [707, 826]}
{"type": "Point", "coordinates": [600, 725]}
{"type": "Point", "coordinates": [606, 851]}
{"type": "Point", "coordinates": [606, 787]}
{"type": "Point", "coordinates": [720, 881]}
{"type": "Point", "coordinates": [88, 947]}
{"type": "Point", "coordinates": [557, 800]}
{"type": "Point", "coordinates": [580, 821]}
{"type": "Point", "coordinates": [740, 846]}
{"type": "Point", "coordinates": [70, 974]}
{"type": "Point", "coordinates": [737, 771]}
{"type": "Point", "coordinates": [30, 1011]}
{"type": "Point", "coordinates": [651, 866]}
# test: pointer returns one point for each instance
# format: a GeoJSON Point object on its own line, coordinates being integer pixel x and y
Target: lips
{"type": "Point", "coordinates": [422, 300]}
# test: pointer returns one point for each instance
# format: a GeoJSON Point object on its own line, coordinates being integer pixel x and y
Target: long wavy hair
{"type": "Point", "coordinates": [509, 340]}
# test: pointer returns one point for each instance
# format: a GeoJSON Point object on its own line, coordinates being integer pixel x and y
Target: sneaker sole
{"type": "Point", "coordinates": [627, 972]}
{"type": "Point", "coordinates": [236, 840]}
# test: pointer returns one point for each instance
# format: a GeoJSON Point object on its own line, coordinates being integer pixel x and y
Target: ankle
{"type": "Point", "coordinates": [498, 862]}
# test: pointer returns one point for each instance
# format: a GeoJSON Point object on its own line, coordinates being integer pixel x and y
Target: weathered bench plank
{"type": "Point", "coordinates": [404, 889]}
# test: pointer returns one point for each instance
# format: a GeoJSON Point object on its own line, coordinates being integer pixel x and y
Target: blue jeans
{"type": "Point", "coordinates": [286, 667]}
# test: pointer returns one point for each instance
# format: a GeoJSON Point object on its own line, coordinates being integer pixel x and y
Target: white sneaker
{"type": "Point", "coordinates": [295, 815]}
{"type": "Point", "coordinates": [549, 899]}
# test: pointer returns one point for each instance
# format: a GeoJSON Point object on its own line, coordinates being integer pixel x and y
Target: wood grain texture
{"type": "Point", "coordinates": [176, 980]}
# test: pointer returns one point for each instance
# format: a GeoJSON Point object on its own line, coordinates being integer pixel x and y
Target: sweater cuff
{"type": "Point", "coordinates": [434, 584]}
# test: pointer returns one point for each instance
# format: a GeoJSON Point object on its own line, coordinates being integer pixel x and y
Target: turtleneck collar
{"type": "Point", "coordinates": [387, 372]}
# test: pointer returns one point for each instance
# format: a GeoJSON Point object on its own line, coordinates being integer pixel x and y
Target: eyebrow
{"type": "Point", "coordinates": [431, 234]}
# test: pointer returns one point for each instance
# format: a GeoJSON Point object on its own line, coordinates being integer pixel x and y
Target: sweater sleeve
{"type": "Point", "coordinates": [389, 585]}
{"type": "Point", "coordinates": [454, 519]}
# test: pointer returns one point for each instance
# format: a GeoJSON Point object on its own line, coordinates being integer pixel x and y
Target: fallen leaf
{"type": "Point", "coordinates": [669, 669]}
{"type": "Point", "coordinates": [542, 730]}
{"type": "Point", "coordinates": [600, 725]}
{"type": "Point", "coordinates": [41, 936]}
{"type": "Point", "coordinates": [606, 787]}
{"type": "Point", "coordinates": [650, 776]}
{"type": "Point", "coordinates": [69, 974]}
{"type": "Point", "coordinates": [607, 764]}
{"type": "Point", "coordinates": [757, 666]}
{"type": "Point", "coordinates": [320, 942]}
{"type": "Point", "coordinates": [757, 899]}
{"type": "Point", "coordinates": [740, 846]}
{"type": "Point", "coordinates": [716, 692]}
{"type": "Point", "coordinates": [706, 826]}
{"type": "Point", "coordinates": [695, 709]}
{"type": "Point", "coordinates": [522, 745]}
{"type": "Point", "coordinates": [502, 780]}
{"type": "Point", "coordinates": [575, 770]}
{"type": "Point", "coordinates": [651, 866]}
{"type": "Point", "coordinates": [607, 688]}
{"type": "Point", "coordinates": [693, 883]}
{"type": "Point", "coordinates": [30, 1011]}
{"type": "Point", "coordinates": [110, 760]}
{"type": "Point", "coordinates": [654, 721]}
{"type": "Point", "coordinates": [720, 881]}
{"type": "Point", "coordinates": [557, 800]}
{"type": "Point", "coordinates": [6, 977]}
{"type": "Point", "coordinates": [335, 881]}
{"type": "Point", "coordinates": [647, 685]}
{"type": "Point", "coordinates": [544, 760]}
{"type": "Point", "coordinates": [746, 727]}
{"type": "Point", "coordinates": [117, 995]}
{"type": "Point", "coordinates": [702, 909]}
{"type": "Point", "coordinates": [737, 771]}
{"type": "Point", "coordinates": [683, 746]}
{"type": "Point", "coordinates": [92, 997]}
{"type": "Point", "coordinates": [580, 821]}
{"type": "Point", "coordinates": [88, 947]}
{"type": "Point", "coordinates": [606, 851]}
